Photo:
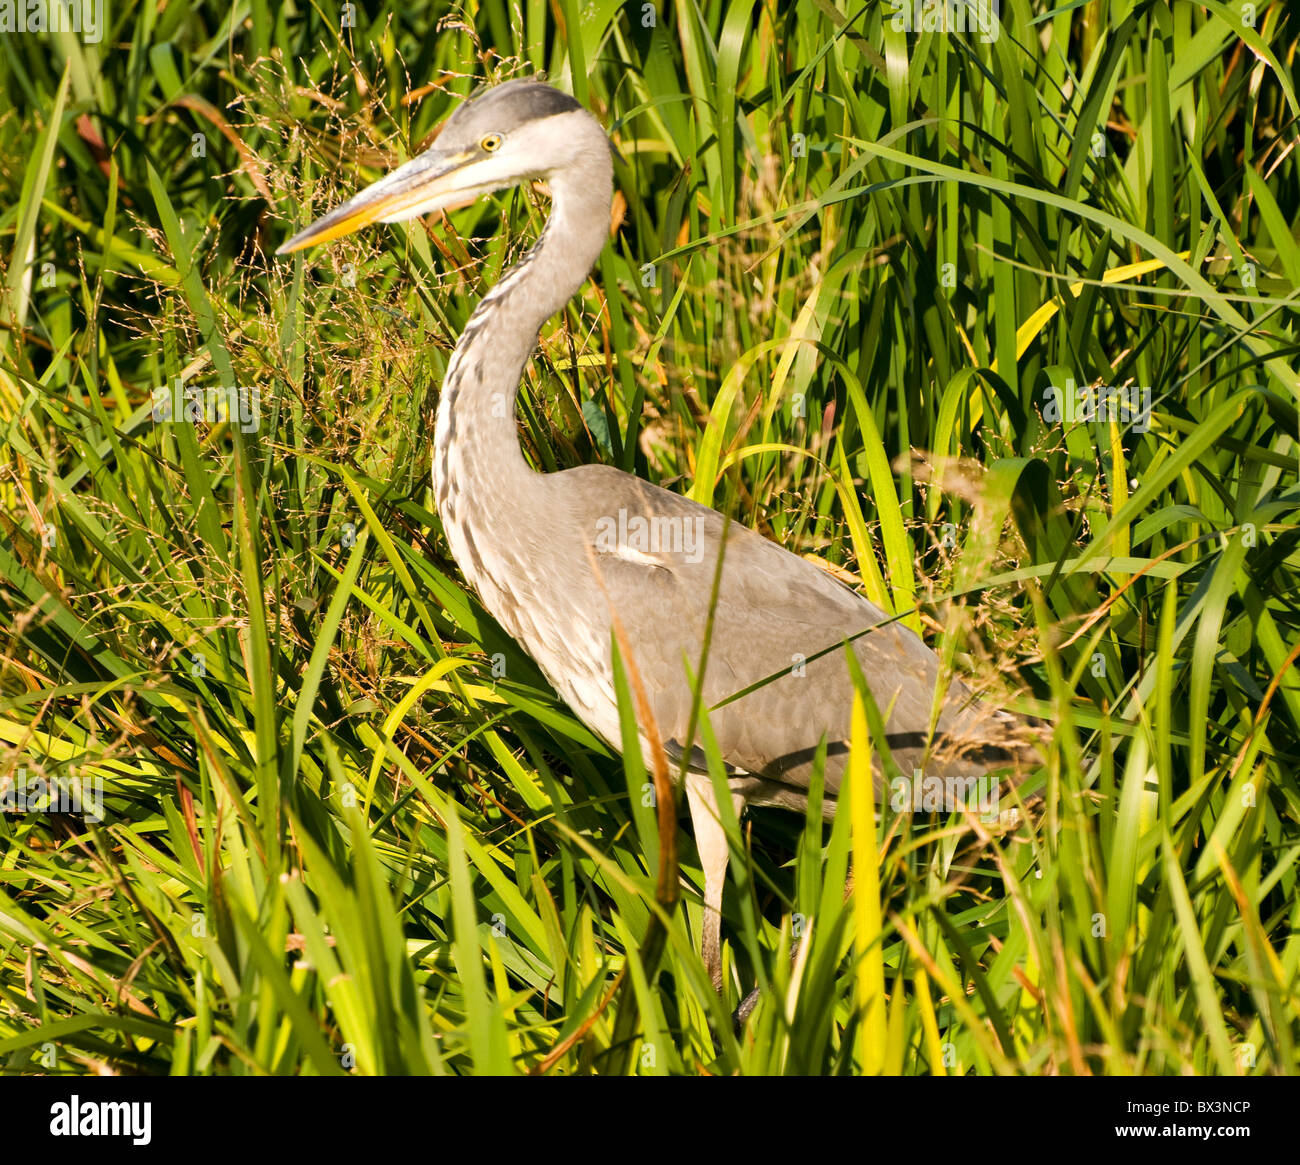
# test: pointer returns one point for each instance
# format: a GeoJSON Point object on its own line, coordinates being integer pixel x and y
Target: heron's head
{"type": "Point", "coordinates": [509, 134]}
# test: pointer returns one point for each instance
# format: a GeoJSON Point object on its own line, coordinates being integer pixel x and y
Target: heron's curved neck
{"type": "Point", "coordinates": [476, 444]}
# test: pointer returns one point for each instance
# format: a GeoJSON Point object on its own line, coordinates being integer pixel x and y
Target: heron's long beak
{"type": "Point", "coordinates": [435, 179]}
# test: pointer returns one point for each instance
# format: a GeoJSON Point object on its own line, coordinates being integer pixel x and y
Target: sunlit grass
{"type": "Point", "coordinates": [348, 827]}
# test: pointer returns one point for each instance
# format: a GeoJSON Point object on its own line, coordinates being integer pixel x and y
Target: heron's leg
{"type": "Point", "coordinates": [711, 841]}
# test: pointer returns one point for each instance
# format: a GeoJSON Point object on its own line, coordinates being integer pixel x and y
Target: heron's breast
{"type": "Point", "coordinates": [544, 604]}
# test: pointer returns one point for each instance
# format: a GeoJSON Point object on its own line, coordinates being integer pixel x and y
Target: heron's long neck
{"type": "Point", "coordinates": [492, 504]}
{"type": "Point", "coordinates": [478, 466]}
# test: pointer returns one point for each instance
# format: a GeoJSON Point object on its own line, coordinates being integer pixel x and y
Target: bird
{"type": "Point", "coordinates": [558, 558]}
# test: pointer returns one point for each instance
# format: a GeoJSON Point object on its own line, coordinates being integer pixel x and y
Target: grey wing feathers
{"type": "Point", "coordinates": [776, 615]}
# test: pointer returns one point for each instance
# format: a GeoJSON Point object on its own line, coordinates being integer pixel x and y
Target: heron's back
{"type": "Point", "coordinates": [777, 682]}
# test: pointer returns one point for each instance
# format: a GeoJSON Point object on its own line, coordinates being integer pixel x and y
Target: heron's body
{"type": "Point", "coordinates": [557, 557]}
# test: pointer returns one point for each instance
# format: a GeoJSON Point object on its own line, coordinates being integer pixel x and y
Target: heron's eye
{"type": "Point", "coordinates": [491, 143]}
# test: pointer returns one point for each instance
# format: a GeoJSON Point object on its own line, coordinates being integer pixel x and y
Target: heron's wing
{"type": "Point", "coordinates": [776, 678]}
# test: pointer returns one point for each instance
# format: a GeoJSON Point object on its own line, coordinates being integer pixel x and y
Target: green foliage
{"type": "Point", "coordinates": [348, 827]}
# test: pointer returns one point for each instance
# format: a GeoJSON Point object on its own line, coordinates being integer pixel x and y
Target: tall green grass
{"type": "Point", "coordinates": [348, 828]}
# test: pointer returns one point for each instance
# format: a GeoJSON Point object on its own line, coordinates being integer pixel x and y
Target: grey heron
{"type": "Point", "coordinates": [556, 557]}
